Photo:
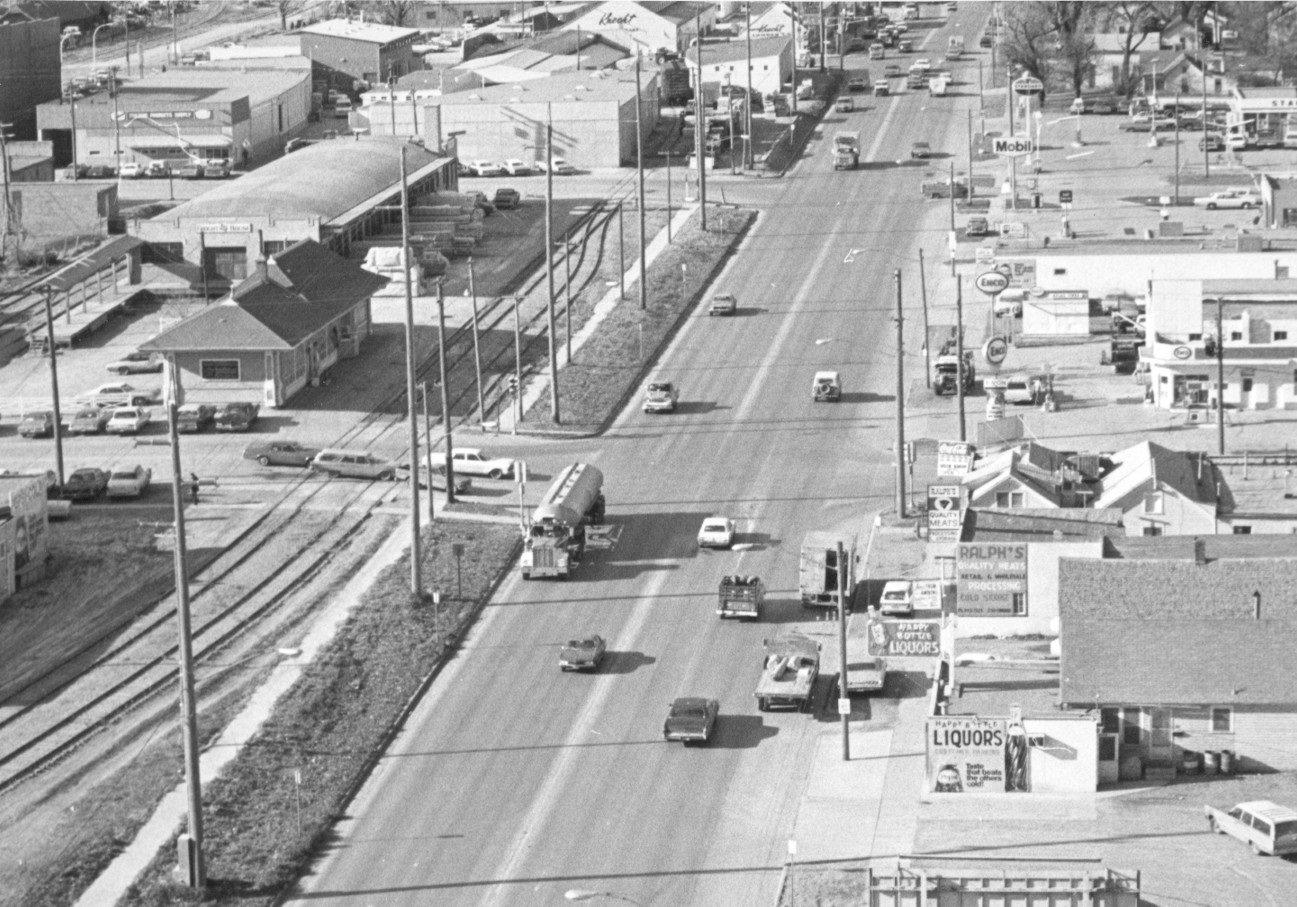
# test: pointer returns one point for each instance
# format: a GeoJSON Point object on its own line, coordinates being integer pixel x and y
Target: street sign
{"type": "Point", "coordinates": [1028, 85]}
{"type": "Point", "coordinates": [995, 350]}
{"type": "Point", "coordinates": [1065, 196]}
{"type": "Point", "coordinates": [844, 706]}
{"type": "Point", "coordinates": [1013, 147]}
{"type": "Point", "coordinates": [992, 283]}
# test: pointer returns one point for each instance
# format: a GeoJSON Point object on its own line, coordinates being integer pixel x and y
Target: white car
{"type": "Point", "coordinates": [1230, 198]}
{"type": "Point", "coordinates": [923, 64]}
{"type": "Point", "coordinates": [515, 167]}
{"type": "Point", "coordinates": [469, 461]}
{"type": "Point", "coordinates": [716, 532]}
{"type": "Point", "coordinates": [129, 481]}
{"type": "Point", "coordinates": [556, 165]}
{"type": "Point", "coordinates": [136, 363]}
{"type": "Point", "coordinates": [122, 395]}
{"type": "Point", "coordinates": [897, 598]}
{"type": "Point", "coordinates": [127, 420]}
{"type": "Point", "coordinates": [132, 170]}
{"type": "Point", "coordinates": [485, 168]}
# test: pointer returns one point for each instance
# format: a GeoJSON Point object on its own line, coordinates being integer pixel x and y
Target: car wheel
{"type": "Point", "coordinates": [387, 476]}
{"type": "Point", "coordinates": [263, 460]}
{"type": "Point", "coordinates": [1256, 850]}
{"type": "Point", "coordinates": [495, 474]}
{"type": "Point", "coordinates": [1211, 206]}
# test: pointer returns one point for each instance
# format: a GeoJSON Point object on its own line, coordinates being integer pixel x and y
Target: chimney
{"type": "Point", "coordinates": [1199, 552]}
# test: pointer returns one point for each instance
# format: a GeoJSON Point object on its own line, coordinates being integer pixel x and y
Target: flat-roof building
{"type": "Point", "coordinates": [333, 192]}
{"type": "Point", "coordinates": [343, 52]}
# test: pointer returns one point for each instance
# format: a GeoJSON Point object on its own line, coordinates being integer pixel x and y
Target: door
{"type": "Point", "coordinates": [1159, 737]}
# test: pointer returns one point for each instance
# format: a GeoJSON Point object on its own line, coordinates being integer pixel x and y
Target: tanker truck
{"type": "Point", "coordinates": [555, 539]}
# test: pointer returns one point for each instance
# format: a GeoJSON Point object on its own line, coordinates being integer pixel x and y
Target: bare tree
{"type": "Point", "coordinates": [1030, 36]}
{"type": "Point", "coordinates": [285, 7]}
{"type": "Point", "coordinates": [396, 12]}
{"type": "Point", "coordinates": [1135, 21]}
{"type": "Point", "coordinates": [1075, 46]}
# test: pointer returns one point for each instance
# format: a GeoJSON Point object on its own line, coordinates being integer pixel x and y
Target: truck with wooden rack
{"type": "Point", "coordinates": [740, 596]}
{"type": "Point", "coordinates": [554, 541]}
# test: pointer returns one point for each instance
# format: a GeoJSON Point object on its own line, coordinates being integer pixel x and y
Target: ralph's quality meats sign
{"type": "Point", "coordinates": [991, 579]}
{"type": "Point", "coordinates": [966, 753]}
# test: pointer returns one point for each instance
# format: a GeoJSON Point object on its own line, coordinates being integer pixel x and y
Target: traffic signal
{"type": "Point", "coordinates": [513, 384]}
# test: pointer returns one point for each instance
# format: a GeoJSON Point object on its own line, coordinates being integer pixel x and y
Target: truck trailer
{"type": "Point", "coordinates": [555, 538]}
{"type": "Point", "coordinates": [846, 150]}
{"type": "Point", "coordinates": [818, 568]}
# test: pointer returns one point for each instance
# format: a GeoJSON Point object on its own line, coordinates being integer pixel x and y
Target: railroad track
{"type": "Point", "coordinates": [132, 664]}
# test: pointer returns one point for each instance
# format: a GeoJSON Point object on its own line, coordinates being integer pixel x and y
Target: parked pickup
{"type": "Point", "coordinates": [236, 416]}
{"type": "Point", "coordinates": [1265, 827]}
{"type": "Point", "coordinates": [740, 596]}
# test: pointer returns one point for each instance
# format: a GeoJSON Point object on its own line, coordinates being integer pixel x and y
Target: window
{"type": "Point", "coordinates": [1060, 272]}
{"type": "Point", "coordinates": [1247, 385]}
{"type": "Point", "coordinates": [1280, 335]}
{"type": "Point", "coordinates": [1009, 499]}
{"type": "Point", "coordinates": [1109, 720]}
{"type": "Point", "coordinates": [1130, 734]}
{"type": "Point", "coordinates": [1153, 502]}
{"type": "Point", "coordinates": [1222, 720]}
{"type": "Point", "coordinates": [219, 369]}
{"type": "Point", "coordinates": [1235, 335]}
{"type": "Point", "coordinates": [1019, 604]}
{"type": "Point", "coordinates": [1152, 530]}
{"type": "Point", "coordinates": [1193, 337]}
{"type": "Point", "coordinates": [1242, 530]}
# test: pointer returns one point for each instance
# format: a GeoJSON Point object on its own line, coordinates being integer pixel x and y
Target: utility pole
{"type": "Point", "coordinates": [621, 249]}
{"type": "Point", "coordinates": [391, 97]}
{"type": "Point", "coordinates": [190, 844]}
{"type": "Point", "coordinates": [823, 43]}
{"type": "Point", "coordinates": [970, 156]}
{"type": "Point", "coordinates": [549, 264]}
{"type": "Point", "coordinates": [1176, 203]}
{"type": "Point", "coordinates": [1013, 161]}
{"type": "Point", "coordinates": [477, 354]}
{"type": "Point", "coordinates": [445, 399]}
{"type": "Point", "coordinates": [700, 128]}
{"type": "Point", "coordinates": [952, 218]}
{"type": "Point", "coordinates": [54, 381]}
{"type": "Point", "coordinates": [843, 697]}
{"type": "Point", "coordinates": [639, 168]}
{"type": "Point", "coordinates": [416, 559]}
{"type": "Point", "coordinates": [792, 15]}
{"type": "Point", "coordinates": [1220, 375]}
{"type": "Point", "coordinates": [427, 452]}
{"type": "Point", "coordinates": [517, 360]}
{"type": "Point", "coordinates": [668, 154]}
{"type": "Point", "coordinates": [959, 352]}
{"type": "Point", "coordinates": [1206, 149]}
{"type": "Point", "coordinates": [8, 199]}
{"type": "Point", "coordinates": [117, 123]}
{"type": "Point", "coordinates": [900, 400]}
{"type": "Point", "coordinates": [927, 341]}
{"type": "Point", "coordinates": [747, 104]}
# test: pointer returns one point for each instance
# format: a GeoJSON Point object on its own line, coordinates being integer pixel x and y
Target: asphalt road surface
{"type": "Point", "coordinates": [514, 783]}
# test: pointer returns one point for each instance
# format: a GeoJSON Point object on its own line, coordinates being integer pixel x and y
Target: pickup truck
{"type": "Point", "coordinates": [788, 672]}
{"type": "Point", "coordinates": [1265, 827]}
{"type": "Point", "coordinates": [740, 596]}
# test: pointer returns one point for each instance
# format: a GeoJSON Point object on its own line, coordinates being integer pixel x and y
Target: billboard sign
{"type": "Point", "coordinates": [904, 637]}
{"type": "Point", "coordinates": [966, 754]}
{"type": "Point", "coordinates": [945, 513]}
{"type": "Point", "coordinates": [991, 579]}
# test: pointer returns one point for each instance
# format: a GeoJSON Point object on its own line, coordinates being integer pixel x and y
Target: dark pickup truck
{"type": "Point", "coordinates": [236, 416]}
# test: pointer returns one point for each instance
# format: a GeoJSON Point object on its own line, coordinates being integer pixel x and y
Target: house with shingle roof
{"type": "Point", "coordinates": [1161, 491]}
{"type": "Point", "coordinates": [1184, 647]}
{"type": "Point", "coordinates": [301, 311]}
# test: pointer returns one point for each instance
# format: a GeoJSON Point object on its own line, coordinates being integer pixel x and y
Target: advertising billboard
{"type": "Point", "coordinates": [991, 580]}
{"type": "Point", "coordinates": [966, 754]}
{"type": "Point", "coordinates": [904, 637]}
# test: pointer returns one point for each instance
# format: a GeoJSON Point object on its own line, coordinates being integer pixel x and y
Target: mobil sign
{"type": "Point", "coordinates": [1012, 147]}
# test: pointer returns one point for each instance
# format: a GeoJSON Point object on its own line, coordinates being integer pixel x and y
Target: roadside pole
{"type": "Point", "coordinates": [700, 125]}
{"type": "Point", "coordinates": [445, 399]}
{"type": "Point", "coordinates": [427, 452]}
{"type": "Point", "coordinates": [407, 263]}
{"type": "Point", "coordinates": [668, 153]}
{"type": "Point", "coordinates": [477, 356]}
{"type": "Point", "coordinates": [959, 352]}
{"type": "Point", "coordinates": [549, 266]}
{"type": "Point", "coordinates": [1176, 203]}
{"type": "Point", "coordinates": [639, 167]}
{"type": "Point", "coordinates": [900, 400]}
{"type": "Point", "coordinates": [747, 102]}
{"type": "Point", "coordinates": [1013, 161]}
{"type": "Point", "coordinates": [1206, 150]}
{"type": "Point", "coordinates": [970, 157]}
{"type": "Point", "coordinates": [517, 362]}
{"type": "Point", "coordinates": [844, 700]}
{"type": "Point", "coordinates": [54, 382]}
{"type": "Point", "coordinates": [927, 344]}
{"type": "Point", "coordinates": [952, 218]}
{"type": "Point", "coordinates": [1220, 375]}
{"type": "Point", "coordinates": [567, 291]}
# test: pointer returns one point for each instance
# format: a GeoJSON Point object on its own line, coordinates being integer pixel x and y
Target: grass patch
{"type": "Point", "coordinates": [333, 725]}
{"type": "Point", "coordinates": [611, 362]}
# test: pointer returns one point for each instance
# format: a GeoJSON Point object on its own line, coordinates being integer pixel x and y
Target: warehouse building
{"type": "Point", "coordinates": [350, 56]}
{"type": "Point", "coordinates": [648, 27]}
{"type": "Point", "coordinates": [333, 192]}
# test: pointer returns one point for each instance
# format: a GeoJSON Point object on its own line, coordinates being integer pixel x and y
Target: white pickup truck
{"type": "Point", "coordinates": [788, 672]}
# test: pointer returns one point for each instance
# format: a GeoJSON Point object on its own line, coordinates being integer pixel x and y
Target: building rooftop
{"type": "Point", "coordinates": [998, 673]}
{"type": "Point", "coordinates": [1265, 288]}
{"type": "Point", "coordinates": [676, 12]}
{"type": "Point", "coordinates": [728, 51]}
{"type": "Point", "coordinates": [370, 32]}
{"type": "Point", "coordinates": [323, 180]}
{"type": "Point", "coordinates": [1040, 525]}
{"type": "Point", "coordinates": [600, 85]}
{"type": "Point", "coordinates": [203, 85]}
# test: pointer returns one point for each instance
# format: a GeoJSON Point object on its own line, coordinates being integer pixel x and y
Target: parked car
{"type": "Point", "coordinates": [844, 104]}
{"type": "Point", "coordinates": [897, 598]}
{"type": "Point", "coordinates": [190, 171]}
{"type": "Point", "coordinates": [485, 168]}
{"type": "Point", "coordinates": [136, 363]}
{"type": "Point", "coordinates": [977, 226]}
{"type": "Point", "coordinates": [297, 144]}
{"type": "Point", "coordinates": [716, 532]}
{"type": "Point", "coordinates": [1229, 198]}
{"type": "Point", "coordinates": [129, 481]}
{"type": "Point", "coordinates": [661, 397]}
{"type": "Point", "coordinates": [353, 464]}
{"type": "Point", "coordinates": [237, 416]}
{"type": "Point", "coordinates": [506, 198]}
{"type": "Point", "coordinates": [893, 71]}
{"type": "Point", "coordinates": [157, 170]}
{"type": "Point", "coordinates": [691, 719]}
{"type": "Point", "coordinates": [923, 64]}
{"type": "Point", "coordinates": [1212, 141]}
{"type": "Point", "coordinates": [1265, 827]}
{"type": "Point", "coordinates": [1078, 106]}
{"type": "Point", "coordinates": [556, 165]}
{"type": "Point", "coordinates": [192, 418]}
{"type": "Point", "coordinates": [944, 188]}
{"type": "Point", "coordinates": [1102, 107]}
{"type": "Point", "coordinates": [280, 453]}
{"type": "Point", "coordinates": [471, 461]}
{"type": "Point", "coordinates": [132, 170]}
{"type": "Point", "coordinates": [723, 304]}
{"type": "Point", "coordinates": [128, 420]}
{"type": "Point", "coordinates": [122, 395]}
{"type": "Point", "coordinates": [84, 484]}
{"type": "Point", "coordinates": [89, 420]}
{"type": "Point", "coordinates": [515, 167]}
{"type": "Point", "coordinates": [582, 654]}
{"type": "Point", "coordinates": [857, 85]}
{"type": "Point", "coordinates": [920, 151]}
{"type": "Point", "coordinates": [217, 170]}
{"type": "Point", "coordinates": [38, 424]}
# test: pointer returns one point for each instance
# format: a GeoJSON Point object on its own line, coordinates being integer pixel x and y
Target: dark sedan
{"type": "Point", "coordinates": [85, 484]}
{"type": "Point", "coordinates": [691, 719]}
{"type": "Point", "coordinates": [280, 453]}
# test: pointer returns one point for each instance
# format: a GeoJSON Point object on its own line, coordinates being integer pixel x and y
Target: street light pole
{"type": "Point", "coordinates": [959, 353]}
{"type": "Point", "coordinates": [567, 290]}
{"type": "Point", "coordinates": [668, 154]}
{"type": "Point", "coordinates": [445, 399]}
{"type": "Point", "coordinates": [549, 261]}
{"type": "Point", "coordinates": [747, 102]}
{"type": "Point", "coordinates": [700, 107]}
{"type": "Point", "coordinates": [639, 168]}
{"type": "Point", "coordinates": [1220, 375]}
{"type": "Point", "coordinates": [54, 382]}
{"type": "Point", "coordinates": [416, 558]}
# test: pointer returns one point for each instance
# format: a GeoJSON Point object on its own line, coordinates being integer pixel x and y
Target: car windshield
{"type": "Point", "coordinates": [123, 474]}
{"type": "Point", "coordinates": [660, 387]}
{"type": "Point", "coordinates": [690, 710]}
{"type": "Point", "coordinates": [715, 525]}
{"type": "Point", "coordinates": [894, 595]}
